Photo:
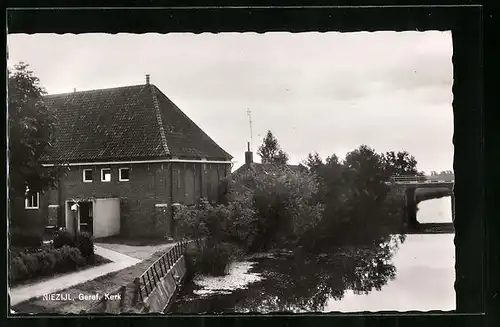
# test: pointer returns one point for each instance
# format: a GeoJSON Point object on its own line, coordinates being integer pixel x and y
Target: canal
{"type": "Point", "coordinates": [418, 275]}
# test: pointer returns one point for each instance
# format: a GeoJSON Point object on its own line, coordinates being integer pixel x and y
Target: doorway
{"type": "Point", "coordinates": [86, 217]}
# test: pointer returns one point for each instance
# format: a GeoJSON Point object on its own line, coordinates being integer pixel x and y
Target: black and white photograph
{"type": "Point", "coordinates": [215, 173]}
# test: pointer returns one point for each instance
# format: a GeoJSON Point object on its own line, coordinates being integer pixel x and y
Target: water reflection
{"type": "Point", "coordinates": [417, 275]}
{"type": "Point", "coordinates": [295, 283]}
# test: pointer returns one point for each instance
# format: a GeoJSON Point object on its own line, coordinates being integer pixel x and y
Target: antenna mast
{"type": "Point", "coordinates": [249, 113]}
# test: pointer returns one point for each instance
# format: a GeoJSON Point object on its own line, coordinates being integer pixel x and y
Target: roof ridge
{"type": "Point", "coordinates": [94, 90]}
{"type": "Point", "coordinates": [158, 119]}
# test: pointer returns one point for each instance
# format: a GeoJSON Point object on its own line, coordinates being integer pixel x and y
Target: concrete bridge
{"type": "Point", "coordinates": [433, 189]}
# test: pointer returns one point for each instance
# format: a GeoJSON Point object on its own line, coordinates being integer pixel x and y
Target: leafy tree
{"type": "Point", "coordinates": [400, 164]}
{"type": "Point", "coordinates": [271, 152]}
{"type": "Point", "coordinates": [359, 207]}
{"type": "Point", "coordinates": [31, 127]}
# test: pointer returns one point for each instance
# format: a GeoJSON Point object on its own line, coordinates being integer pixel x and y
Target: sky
{"type": "Point", "coordinates": [317, 92]}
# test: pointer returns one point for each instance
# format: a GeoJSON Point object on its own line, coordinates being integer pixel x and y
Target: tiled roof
{"type": "Point", "coordinates": [259, 168]}
{"type": "Point", "coordinates": [125, 123]}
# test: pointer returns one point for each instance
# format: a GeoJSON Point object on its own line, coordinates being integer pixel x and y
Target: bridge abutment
{"type": "Point", "coordinates": [411, 207]}
{"type": "Point", "coordinates": [453, 206]}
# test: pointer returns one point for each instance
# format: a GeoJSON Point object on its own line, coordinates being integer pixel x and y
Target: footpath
{"type": "Point", "coordinates": [119, 261]}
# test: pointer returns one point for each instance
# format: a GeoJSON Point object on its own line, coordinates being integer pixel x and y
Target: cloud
{"type": "Point", "coordinates": [325, 92]}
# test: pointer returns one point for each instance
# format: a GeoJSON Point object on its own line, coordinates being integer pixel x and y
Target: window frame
{"type": "Point", "coordinates": [120, 179]}
{"type": "Point", "coordinates": [102, 175]}
{"type": "Point", "coordinates": [26, 201]}
{"type": "Point", "coordinates": [83, 177]}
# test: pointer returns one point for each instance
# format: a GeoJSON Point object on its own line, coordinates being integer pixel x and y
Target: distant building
{"type": "Point", "coordinates": [260, 168]}
{"type": "Point", "coordinates": [132, 154]}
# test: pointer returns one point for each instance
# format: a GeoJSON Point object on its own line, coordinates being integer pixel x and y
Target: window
{"type": "Point", "coordinates": [124, 174]}
{"type": "Point", "coordinates": [87, 175]}
{"type": "Point", "coordinates": [32, 200]}
{"type": "Point", "coordinates": [106, 175]}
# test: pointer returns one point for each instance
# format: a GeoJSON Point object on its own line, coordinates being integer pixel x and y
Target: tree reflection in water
{"type": "Point", "coordinates": [294, 282]}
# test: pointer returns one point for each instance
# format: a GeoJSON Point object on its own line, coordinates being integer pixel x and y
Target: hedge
{"type": "Point", "coordinates": [47, 262]}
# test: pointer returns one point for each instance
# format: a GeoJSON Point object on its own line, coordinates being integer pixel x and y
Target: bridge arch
{"type": "Point", "coordinates": [411, 184]}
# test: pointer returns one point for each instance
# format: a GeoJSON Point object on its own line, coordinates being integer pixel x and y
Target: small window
{"type": "Point", "coordinates": [106, 175]}
{"type": "Point", "coordinates": [32, 200]}
{"type": "Point", "coordinates": [87, 175]}
{"type": "Point", "coordinates": [124, 174]}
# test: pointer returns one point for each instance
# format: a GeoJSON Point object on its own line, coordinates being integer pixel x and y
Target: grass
{"type": "Point", "coordinates": [109, 283]}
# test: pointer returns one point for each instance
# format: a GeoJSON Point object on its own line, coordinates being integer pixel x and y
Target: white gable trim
{"type": "Point", "coordinates": [141, 162]}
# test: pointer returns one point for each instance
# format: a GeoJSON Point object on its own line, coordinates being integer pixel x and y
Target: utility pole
{"type": "Point", "coordinates": [249, 113]}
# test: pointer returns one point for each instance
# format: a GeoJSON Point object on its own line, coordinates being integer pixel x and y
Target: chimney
{"type": "Point", "coordinates": [147, 79]}
{"type": "Point", "coordinates": [248, 155]}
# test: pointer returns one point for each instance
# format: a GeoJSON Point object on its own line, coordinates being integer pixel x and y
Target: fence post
{"type": "Point", "coordinates": [137, 290]}
{"type": "Point", "coordinates": [161, 268]}
{"type": "Point", "coordinates": [104, 303]}
{"type": "Point", "coordinates": [145, 285]}
{"type": "Point", "coordinates": [123, 291]}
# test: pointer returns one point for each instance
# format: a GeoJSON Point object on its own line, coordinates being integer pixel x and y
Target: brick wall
{"type": "Point", "coordinates": [22, 217]}
{"type": "Point", "coordinates": [149, 185]}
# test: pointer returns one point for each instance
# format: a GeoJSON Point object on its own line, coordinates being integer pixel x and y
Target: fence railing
{"type": "Point", "coordinates": [149, 279]}
{"type": "Point", "coordinates": [419, 179]}
{"type": "Point", "coordinates": [396, 179]}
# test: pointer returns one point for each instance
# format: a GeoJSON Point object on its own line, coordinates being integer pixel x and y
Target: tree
{"type": "Point", "coordinates": [359, 207]}
{"type": "Point", "coordinates": [270, 151]}
{"type": "Point", "coordinates": [31, 127]}
{"type": "Point", "coordinates": [400, 164]}
{"type": "Point", "coordinates": [313, 162]}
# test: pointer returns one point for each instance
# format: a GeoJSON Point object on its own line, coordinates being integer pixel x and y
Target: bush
{"type": "Point", "coordinates": [18, 270]}
{"type": "Point", "coordinates": [62, 238]}
{"type": "Point", "coordinates": [284, 205]}
{"type": "Point", "coordinates": [213, 259]}
{"type": "Point", "coordinates": [85, 244]}
{"type": "Point", "coordinates": [25, 238]}
{"type": "Point", "coordinates": [263, 210]}
{"type": "Point", "coordinates": [69, 259]}
{"type": "Point", "coordinates": [44, 263]}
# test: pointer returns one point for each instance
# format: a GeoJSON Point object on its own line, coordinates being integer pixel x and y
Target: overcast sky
{"type": "Point", "coordinates": [324, 92]}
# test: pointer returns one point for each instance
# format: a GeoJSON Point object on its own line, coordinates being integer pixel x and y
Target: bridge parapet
{"type": "Point", "coordinates": [411, 180]}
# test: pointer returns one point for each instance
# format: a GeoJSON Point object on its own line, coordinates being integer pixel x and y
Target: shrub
{"type": "Point", "coordinates": [284, 205]}
{"type": "Point", "coordinates": [25, 238]}
{"type": "Point", "coordinates": [69, 259]}
{"type": "Point", "coordinates": [85, 244]}
{"type": "Point", "coordinates": [213, 259]}
{"type": "Point", "coordinates": [62, 238]}
{"type": "Point", "coordinates": [46, 262]}
{"type": "Point", "coordinates": [263, 210]}
{"type": "Point", "coordinates": [18, 270]}
{"type": "Point", "coordinates": [31, 263]}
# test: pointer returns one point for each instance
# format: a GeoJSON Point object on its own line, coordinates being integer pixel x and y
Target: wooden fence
{"type": "Point", "coordinates": [146, 283]}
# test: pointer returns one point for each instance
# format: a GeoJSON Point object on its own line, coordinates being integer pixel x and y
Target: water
{"type": "Point", "coordinates": [419, 277]}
